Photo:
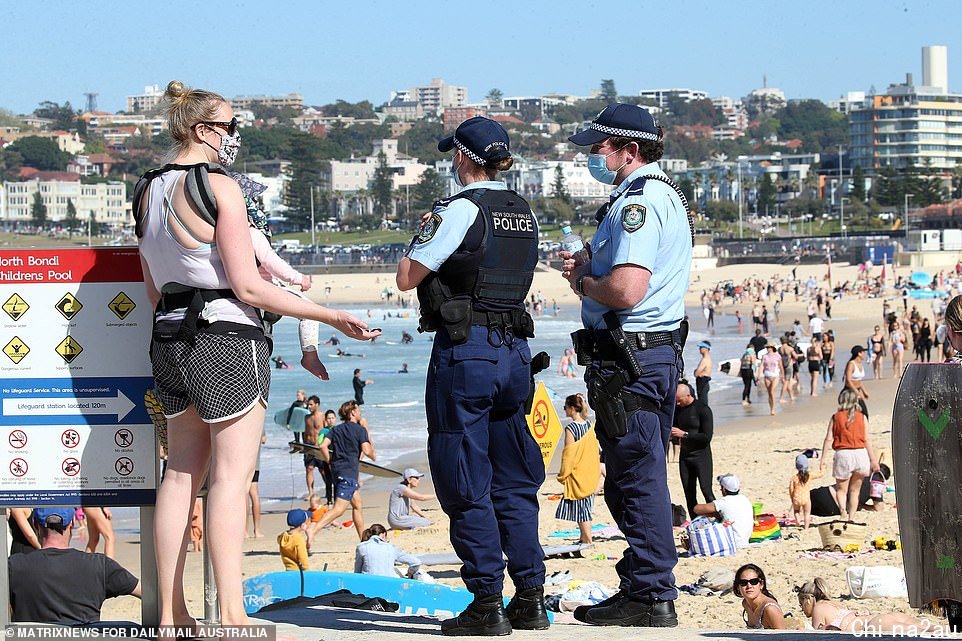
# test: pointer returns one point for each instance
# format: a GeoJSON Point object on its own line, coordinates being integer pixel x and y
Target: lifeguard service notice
{"type": "Point", "coordinates": [74, 332]}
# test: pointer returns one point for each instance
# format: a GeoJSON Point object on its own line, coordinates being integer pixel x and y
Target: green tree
{"type": "Point", "coordinates": [382, 192]}
{"type": "Point", "coordinates": [766, 194]}
{"type": "Point", "coordinates": [858, 184]}
{"type": "Point", "coordinates": [70, 220]}
{"type": "Point", "coordinates": [41, 153]}
{"type": "Point", "coordinates": [10, 163]}
{"type": "Point", "coordinates": [305, 175]}
{"type": "Point", "coordinates": [96, 145]}
{"type": "Point", "coordinates": [818, 126]}
{"type": "Point", "coordinates": [428, 189]}
{"type": "Point", "coordinates": [687, 188]}
{"type": "Point", "coordinates": [92, 223]}
{"type": "Point", "coordinates": [608, 92]}
{"type": "Point", "coordinates": [494, 98]}
{"type": "Point", "coordinates": [421, 141]}
{"type": "Point", "coordinates": [721, 210]}
{"type": "Point", "coordinates": [559, 187]}
{"type": "Point", "coordinates": [38, 211]}
{"type": "Point", "coordinates": [63, 116]}
{"type": "Point", "coordinates": [362, 110]}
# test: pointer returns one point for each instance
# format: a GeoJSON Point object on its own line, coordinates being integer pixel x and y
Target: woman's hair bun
{"type": "Point", "coordinates": [175, 90]}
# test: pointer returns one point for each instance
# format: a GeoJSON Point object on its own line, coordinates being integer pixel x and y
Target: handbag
{"type": "Point", "coordinates": [876, 581]}
{"type": "Point", "coordinates": [766, 529]}
{"type": "Point", "coordinates": [708, 537]}
{"type": "Point", "coordinates": [841, 535]}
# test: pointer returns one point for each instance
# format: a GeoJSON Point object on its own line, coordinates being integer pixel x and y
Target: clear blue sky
{"type": "Point", "coordinates": [362, 49]}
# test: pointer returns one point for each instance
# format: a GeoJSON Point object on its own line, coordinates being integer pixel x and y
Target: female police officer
{"type": "Point", "coordinates": [472, 264]}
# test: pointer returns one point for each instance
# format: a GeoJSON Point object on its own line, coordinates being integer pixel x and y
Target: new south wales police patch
{"type": "Point", "coordinates": [429, 228]}
{"type": "Point", "coordinates": [633, 217]}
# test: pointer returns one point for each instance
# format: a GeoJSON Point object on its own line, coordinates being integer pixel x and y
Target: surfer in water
{"type": "Point", "coordinates": [279, 363]}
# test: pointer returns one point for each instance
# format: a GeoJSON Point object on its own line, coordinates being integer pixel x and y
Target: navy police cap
{"type": "Point", "coordinates": [482, 140]}
{"type": "Point", "coordinates": [618, 119]}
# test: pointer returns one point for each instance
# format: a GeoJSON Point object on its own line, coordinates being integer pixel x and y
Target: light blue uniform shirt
{"type": "Point", "coordinates": [444, 231]}
{"type": "Point", "coordinates": [661, 244]}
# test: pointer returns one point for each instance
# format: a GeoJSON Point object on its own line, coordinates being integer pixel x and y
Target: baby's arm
{"type": "Point", "coordinates": [274, 264]}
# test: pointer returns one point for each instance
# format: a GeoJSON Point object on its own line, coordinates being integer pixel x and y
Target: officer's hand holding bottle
{"type": "Point", "coordinates": [572, 269]}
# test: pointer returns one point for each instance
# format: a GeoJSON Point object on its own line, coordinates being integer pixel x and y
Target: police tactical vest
{"type": "Point", "coordinates": [494, 265]}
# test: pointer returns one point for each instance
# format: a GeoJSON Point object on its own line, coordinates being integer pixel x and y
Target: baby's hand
{"type": "Point", "coordinates": [306, 282]}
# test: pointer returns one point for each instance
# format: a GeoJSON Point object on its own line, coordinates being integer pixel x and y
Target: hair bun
{"type": "Point", "coordinates": [175, 90]}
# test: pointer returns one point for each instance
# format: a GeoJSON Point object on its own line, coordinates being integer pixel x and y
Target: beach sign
{"type": "Point", "coordinates": [544, 423]}
{"type": "Point", "coordinates": [73, 375]}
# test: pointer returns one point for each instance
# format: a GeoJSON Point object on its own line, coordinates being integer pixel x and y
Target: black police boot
{"type": "Point", "coordinates": [581, 611]}
{"type": "Point", "coordinates": [484, 617]}
{"type": "Point", "coordinates": [526, 610]}
{"type": "Point", "coordinates": [628, 612]}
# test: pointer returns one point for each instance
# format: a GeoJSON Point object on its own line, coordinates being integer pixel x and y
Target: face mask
{"type": "Point", "coordinates": [229, 146]}
{"type": "Point", "coordinates": [598, 167]}
{"type": "Point", "coordinates": [457, 178]}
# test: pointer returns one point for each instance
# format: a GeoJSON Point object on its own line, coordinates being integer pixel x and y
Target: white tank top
{"type": "Point", "coordinates": [171, 262]}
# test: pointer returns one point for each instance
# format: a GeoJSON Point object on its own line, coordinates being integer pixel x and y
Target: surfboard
{"type": "Point", "coordinates": [730, 367]}
{"type": "Point", "coordinates": [414, 597]}
{"type": "Point", "coordinates": [298, 414]}
{"type": "Point", "coordinates": [398, 404]}
{"type": "Point", "coordinates": [366, 467]}
{"type": "Point", "coordinates": [927, 439]}
{"type": "Point", "coordinates": [550, 552]}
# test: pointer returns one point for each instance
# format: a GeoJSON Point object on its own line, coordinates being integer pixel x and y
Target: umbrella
{"type": "Point", "coordinates": [921, 279]}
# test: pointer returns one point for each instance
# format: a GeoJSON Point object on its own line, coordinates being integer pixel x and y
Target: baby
{"type": "Point", "coordinates": [273, 267]}
{"type": "Point", "coordinates": [800, 492]}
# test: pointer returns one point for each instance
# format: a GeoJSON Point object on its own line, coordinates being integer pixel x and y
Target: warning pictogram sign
{"type": "Point", "coordinates": [70, 466]}
{"type": "Point", "coordinates": [124, 438]}
{"type": "Point", "coordinates": [68, 306]}
{"type": "Point", "coordinates": [15, 307]}
{"type": "Point", "coordinates": [124, 466]}
{"type": "Point", "coordinates": [69, 349]}
{"type": "Point", "coordinates": [121, 305]}
{"type": "Point", "coordinates": [16, 349]}
{"type": "Point", "coordinates": [17, 439]}
{"type": "Point", "coordinates": [543, 423]}
{"type": "Point", "coordinates": [18, 467]}
{"type": "Point", "coordinates": [70, 438]}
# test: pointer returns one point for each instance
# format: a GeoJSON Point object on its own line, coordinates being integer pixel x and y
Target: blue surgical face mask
{"type": "Point", "coordinates": [598, 167]}
{"type": "Point", "coordinates": [454, 170]}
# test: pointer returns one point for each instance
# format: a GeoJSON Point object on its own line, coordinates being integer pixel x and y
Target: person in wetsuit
{"type": "Point", "coordinates": [694, 426]}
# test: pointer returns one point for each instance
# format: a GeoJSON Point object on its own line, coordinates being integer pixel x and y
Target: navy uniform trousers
{"type": "Point", "coordinates": [636, 482]}
{"type": "Point", "coordinates": [486, 467]}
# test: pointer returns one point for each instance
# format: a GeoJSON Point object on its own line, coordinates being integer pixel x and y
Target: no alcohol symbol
{"type": "Point", "coordinates": [123, 438]}
{"type": "Point", "coordinates": [124, 466]}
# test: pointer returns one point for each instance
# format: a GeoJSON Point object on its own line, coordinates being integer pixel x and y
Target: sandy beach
{"type": "Point", "coordinates": [761, 449]}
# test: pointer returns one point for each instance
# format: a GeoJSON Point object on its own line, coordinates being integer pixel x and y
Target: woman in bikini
{"type": "Point", "coordinates": [878, 352]}
{"type": "Point", "coordinates": [761, 609]}
{"type": "Point", "coordinates": [827, 615]}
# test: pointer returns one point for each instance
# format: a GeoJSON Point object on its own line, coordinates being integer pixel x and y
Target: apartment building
{"type": "Point", "coordinates": [149, 100]}
{"type": "Point", "coordinates": [661, 97]}
{"type": "Point", "coordinates": [291, 100]}
{"type": "Point", "coordinates": [106, 200]}
{"type": "Point", "coordinates": [439, 95]}
{"type": "Point", "coordinates": [354, 175]}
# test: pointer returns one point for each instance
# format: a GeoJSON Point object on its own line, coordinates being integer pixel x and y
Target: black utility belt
{"type": "Point", "coordinates": [598, 345]}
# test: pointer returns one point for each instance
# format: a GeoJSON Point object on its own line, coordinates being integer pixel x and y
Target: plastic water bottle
{"type": "Point", "coordinates": [573, 243]}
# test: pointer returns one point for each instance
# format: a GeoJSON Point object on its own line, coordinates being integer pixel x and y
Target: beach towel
{"type": "Point", "coordinates": [561, 534]}
{"type": "Point", "coordinates": [766, 529]}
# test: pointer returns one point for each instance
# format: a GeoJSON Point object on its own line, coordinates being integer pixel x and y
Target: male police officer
{"type": "Point", "coordinates": [632, 292]}
{"type": "Point", "coordinates": [472, 263]}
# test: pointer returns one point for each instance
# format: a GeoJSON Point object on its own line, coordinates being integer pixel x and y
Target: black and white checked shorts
{"type": "Point", "coordinates": [223, 377]}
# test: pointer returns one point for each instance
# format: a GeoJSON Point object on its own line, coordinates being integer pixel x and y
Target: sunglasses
{"type": "Point", "coordinates": [231, 126]}
{"type": "Point", "coordinates": [743, 582]}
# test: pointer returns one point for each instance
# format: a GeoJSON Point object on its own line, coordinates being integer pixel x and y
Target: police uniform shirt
{"type": "Point", "coordinates": [648, 228]}
{"type": "Point", "coordinates": [446, 228]}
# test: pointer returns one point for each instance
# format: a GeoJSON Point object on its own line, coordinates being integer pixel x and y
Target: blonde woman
{"type": "Point", "coordinates": [854, 455]}
{"type": "Point", "coordinates": [209, 355]}
{"type": "Point", "coordinates": [827, 615]}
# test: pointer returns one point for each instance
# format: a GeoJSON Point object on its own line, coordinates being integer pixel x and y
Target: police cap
{"type": "Point", "coordinates": [618, 119]}
{"type": "Point", "coordinates": [482, 140]}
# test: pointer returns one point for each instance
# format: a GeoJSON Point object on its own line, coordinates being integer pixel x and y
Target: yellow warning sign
{"type": "Point", "coordinates": [121, 305]}
{"type": "Point", "coordinates": [16, 349]}
{"type": "Point", "coordinates": [69, 349]}
{"type": "Point", "coordinates": [68, 306]}
{"type": "Point", "coordinates": [15, 307]}
{"type": "Point", "coordinates": [544, 423]}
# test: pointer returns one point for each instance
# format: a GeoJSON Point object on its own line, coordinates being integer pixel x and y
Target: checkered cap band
{"type": "Point", "coordinates": [467, 152]}
{"type": "Point", "coordinates": [625, 133]}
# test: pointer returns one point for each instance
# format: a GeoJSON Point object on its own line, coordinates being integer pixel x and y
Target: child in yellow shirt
{"type": "Point", "coordinates": [293, 542]}
{"type": "Point", "coordinates": [799, 489]}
